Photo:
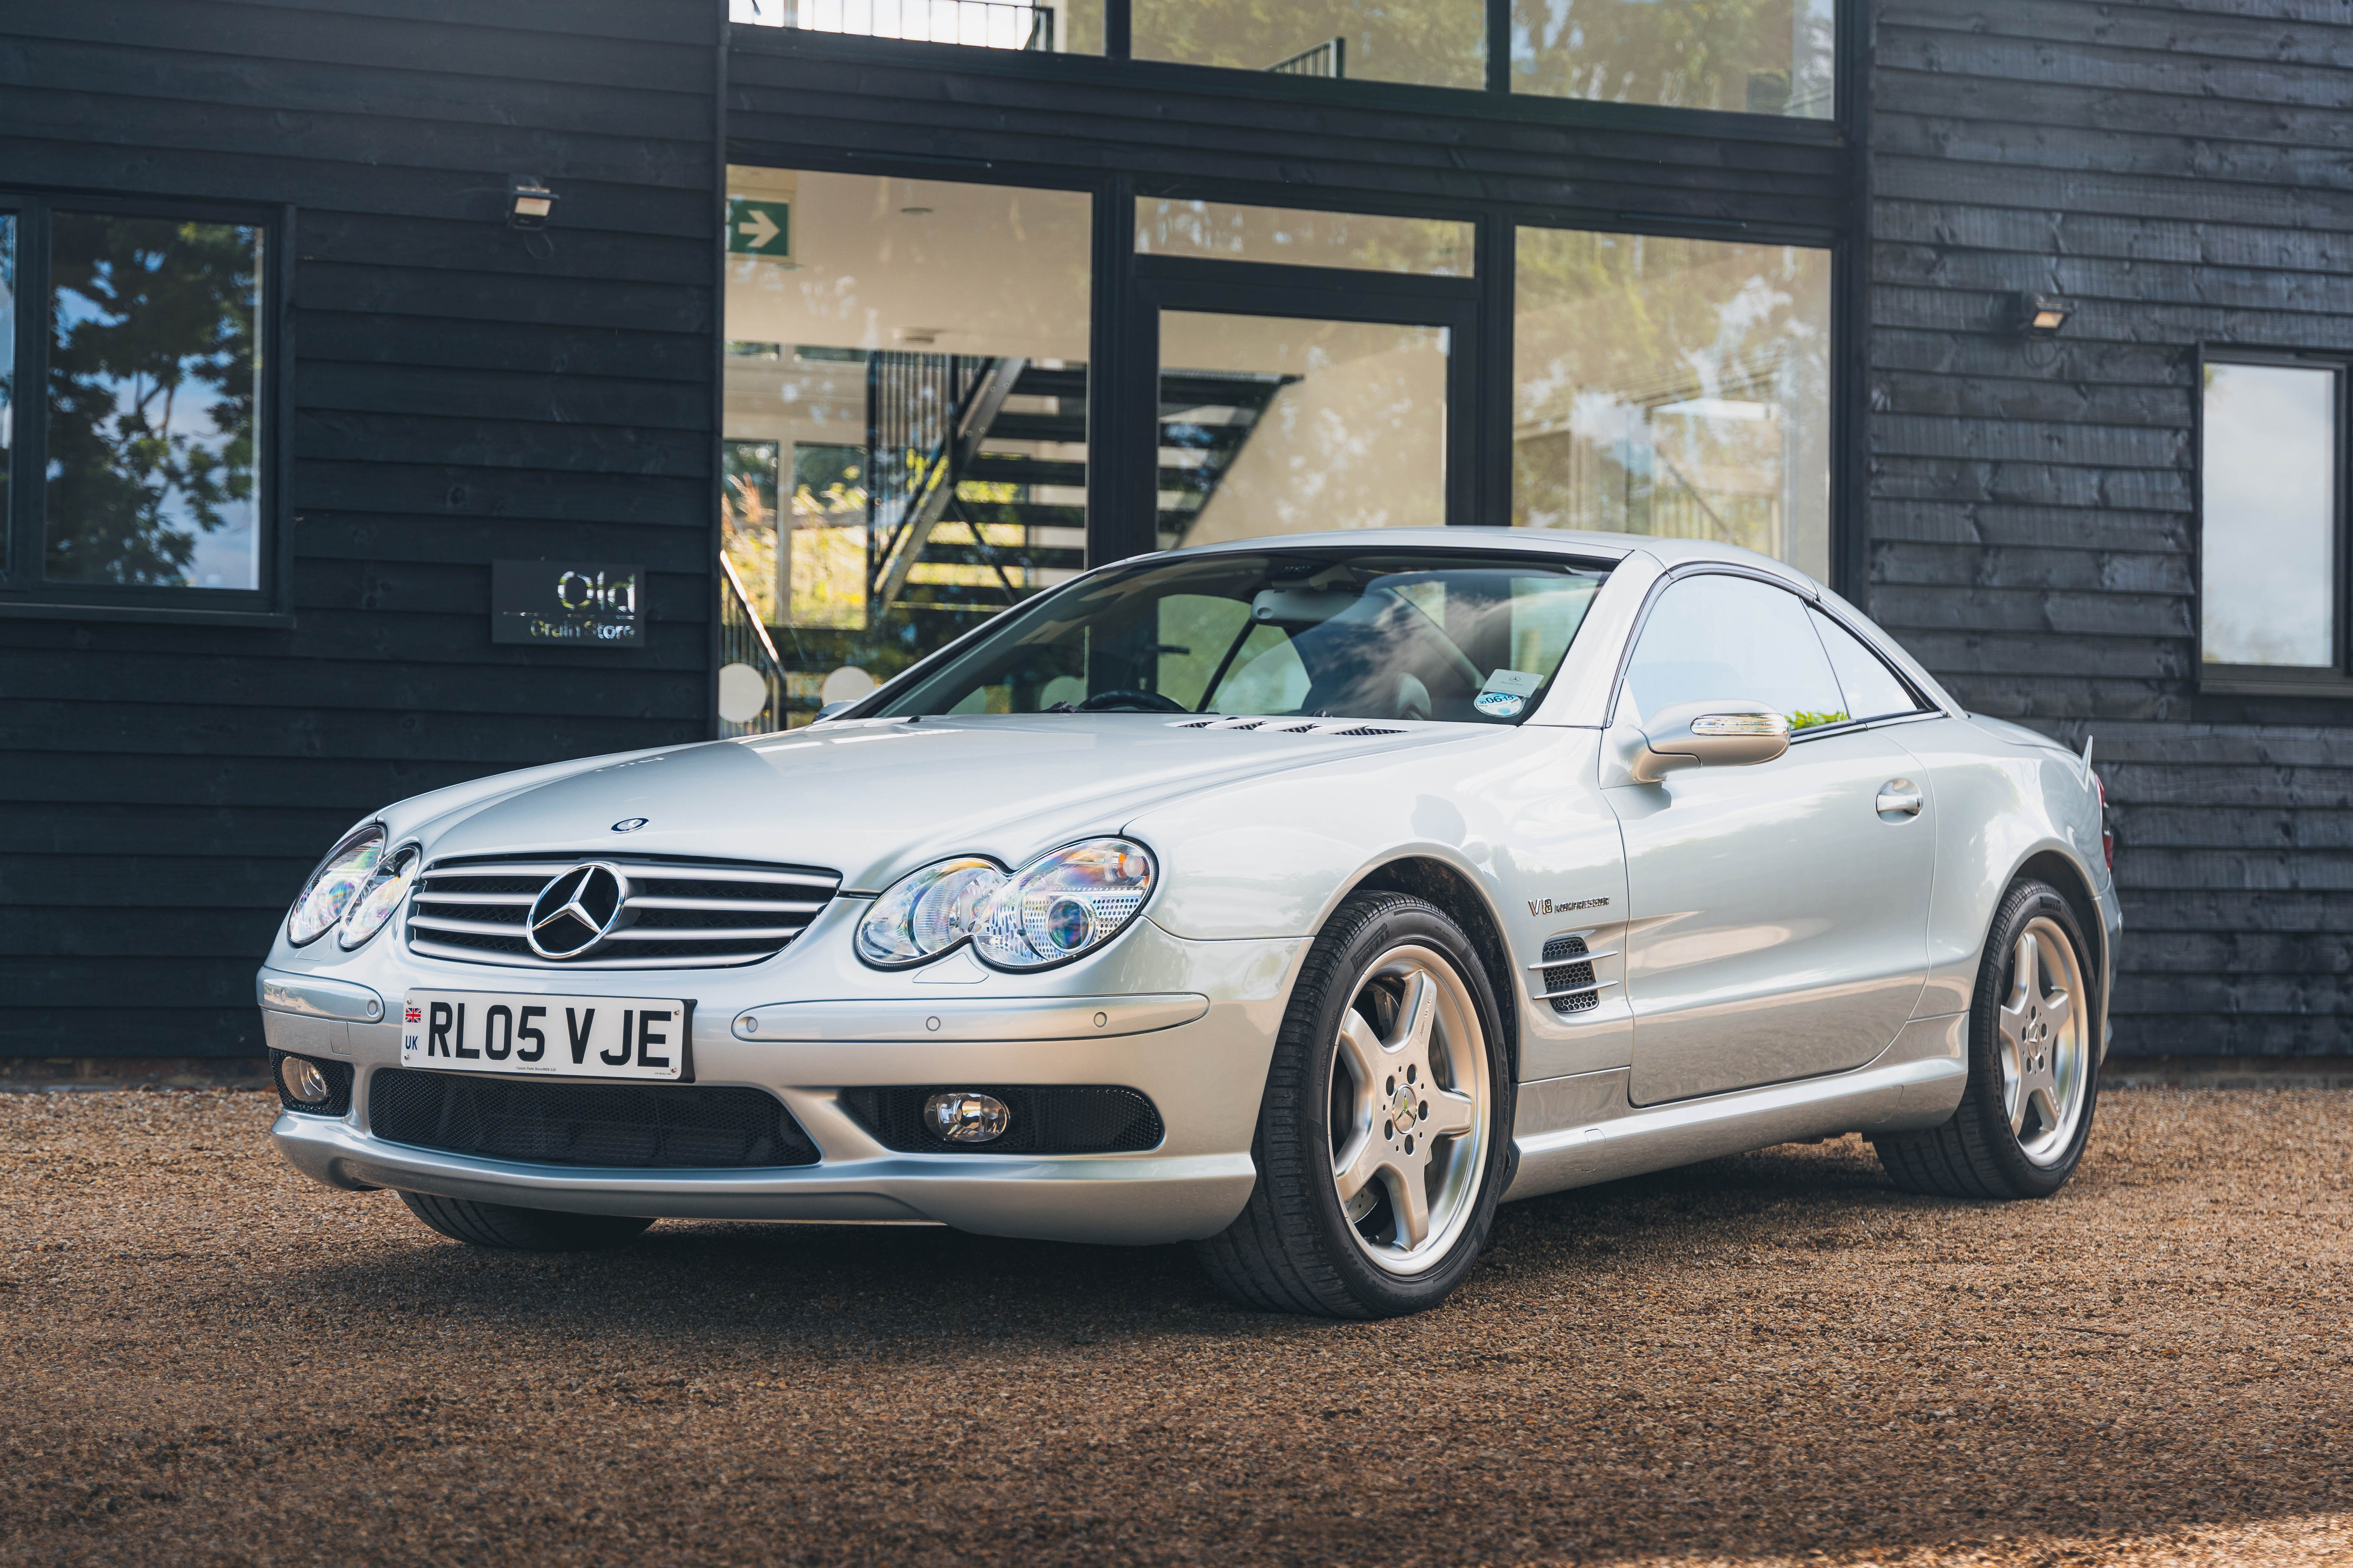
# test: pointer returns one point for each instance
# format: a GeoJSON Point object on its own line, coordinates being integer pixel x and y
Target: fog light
{"type": "Point", "coordinates": [965, 1117]}
{"type": "Point", "coordinates": [304, 1081]}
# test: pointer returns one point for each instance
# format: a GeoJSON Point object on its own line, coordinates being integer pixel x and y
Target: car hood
{"type": "Point", "coordinates": [874, 799]}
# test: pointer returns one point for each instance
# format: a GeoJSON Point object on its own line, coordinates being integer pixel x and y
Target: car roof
{"type": "Point", "coordinates": [1609, 547]}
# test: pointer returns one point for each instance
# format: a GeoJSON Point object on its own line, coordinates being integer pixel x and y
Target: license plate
{"type": "Point", "coordinates": [568, 1036]}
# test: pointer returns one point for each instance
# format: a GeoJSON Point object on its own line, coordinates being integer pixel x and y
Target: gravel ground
{"type": "Point", "coordinates": [1775, 1359]}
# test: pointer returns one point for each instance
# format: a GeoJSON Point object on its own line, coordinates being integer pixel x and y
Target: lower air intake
{"type": "Point", "coordinates": [1059, 1119]}
{"type": "Point", "coordinates": [671, 1127]}
{"type": "Point", "coordinates": [1569, 975]}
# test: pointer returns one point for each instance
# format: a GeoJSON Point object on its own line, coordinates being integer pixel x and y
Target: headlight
{"type": "Point", "coordinates": [382, 893]}
{"type": "Point", "coordinates": [331, 888]}
{"type": "Point", "coordinates": [1056, 908]}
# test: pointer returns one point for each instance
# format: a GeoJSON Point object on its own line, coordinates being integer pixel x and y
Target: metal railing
{"type": "Point", "coordinates": [1328, 59]}
{"type": "Point", "coordinates": [744, 639]}
{"type": "Point", "coordinates": [925, 418]}
{"type": "Point", "coordinates": [979, 24]}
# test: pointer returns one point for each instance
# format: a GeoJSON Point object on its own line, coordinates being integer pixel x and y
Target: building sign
{"type": "Point", "coordinates": [589, 603]}
{"type": "Point", "coordinates": [757, 227]}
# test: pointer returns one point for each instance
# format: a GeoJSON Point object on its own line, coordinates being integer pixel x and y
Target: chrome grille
{"type": "Point", "coordinates": [674, 914]}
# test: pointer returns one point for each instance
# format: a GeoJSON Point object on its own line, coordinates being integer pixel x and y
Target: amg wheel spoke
{"type": "Point", "coordinates": [1410, 1202]}
{"type": "Point", "coordinates": [1417, 1015]}
{"type": "Point", "coordinates": [1447, 1113]}
{"type": "Point", "coordinates": [1358, 1164]}
{"type": "Point", "coordinates": [1360, 1049]}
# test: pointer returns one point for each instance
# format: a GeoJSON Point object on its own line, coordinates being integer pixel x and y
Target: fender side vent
{"type": "Point", "coordinates": [1569, 975]}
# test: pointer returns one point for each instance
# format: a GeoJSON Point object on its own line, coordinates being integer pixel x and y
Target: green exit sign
{"type": "Point", "coordinates": [759, 228]}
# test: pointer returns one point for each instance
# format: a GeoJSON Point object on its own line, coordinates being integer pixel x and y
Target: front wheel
{"type": "Point", "coordinates": [2035, 1064]}
{"type": "Point", "coordinates": [1385, 1132]}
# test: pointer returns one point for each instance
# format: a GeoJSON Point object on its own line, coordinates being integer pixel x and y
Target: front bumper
{"type": "Point", "coordinates": [1203, 1072]}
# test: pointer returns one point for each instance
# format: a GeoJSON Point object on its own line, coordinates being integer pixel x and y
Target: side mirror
{"type": "Point", "coordinates": [1707, 735]}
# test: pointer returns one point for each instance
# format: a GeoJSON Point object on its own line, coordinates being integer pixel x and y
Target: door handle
{"type": "Point", "coordinates": [1899, 798]}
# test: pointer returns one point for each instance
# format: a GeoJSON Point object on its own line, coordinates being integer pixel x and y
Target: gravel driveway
{"type": "Point", "coordinates": [204, 1358]}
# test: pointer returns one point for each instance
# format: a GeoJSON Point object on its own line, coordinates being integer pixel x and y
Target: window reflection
{"type": "Point", "coordinates": [1066, 27]}
{"type": "Point", "coordinates": [1283, 425]}
{"type": "Point", "coordinates": [905, 438]}
{"type": "Point", "coordinates": [2268, 474]}
{"type": "Point", "coordinates": [1300, 236]}
{"type": "Point", "coordinates": [151, 425]}
{"type": "Point", "coordinates": [1673, 387]}
{"type": "Point", "coordinates": [1438, 42]}
{"type": "Point", "coordinates": [1757, 56]}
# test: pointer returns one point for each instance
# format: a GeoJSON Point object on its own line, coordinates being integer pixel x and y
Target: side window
{"type": "Point", "coordinates": [1723, 638]}
{"type": "Point", "coordinates": [1873, 690]}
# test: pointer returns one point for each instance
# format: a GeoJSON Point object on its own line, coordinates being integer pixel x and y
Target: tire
{"type": "Point", "coordinates": [520, 1230]}
{"type": "Point", "coordinates": [2026, 1109]}
{"type": "Point", "coordinates": [1392, 1042]}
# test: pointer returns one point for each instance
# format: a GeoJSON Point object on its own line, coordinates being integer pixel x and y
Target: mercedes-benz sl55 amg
{"type": "Point", "coordinates": [1302, 899]}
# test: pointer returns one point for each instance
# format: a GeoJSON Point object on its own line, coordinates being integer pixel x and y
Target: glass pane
{"type": "Point", "coordinates": [1872, 689]}
{"type": "Point", "coordinates": [1439, 43]}
{"type": "Point", "coordinates": [2267, 565]}
{"type": "Point", "coordinates": [151, 427]}
{"type": "Point", "coordinates": [1277, 425]}
{"type": "Point", "coordinates": [1351, 634]}
{"type": "Point", "coordinates": [1068, 27]}
{"type": "Point", "coordinates": [7, 373]}
{"type": "Point", "coordinates": [1757, 57]}
{"type": "Point", "coordinates": [1223, 231]}
{"type": "Point", "coordinates": [1717, 638]}
{"type": "Point", "coordinates": [1674, 388]}
{"type": "Point", "coordinates": [905, 413]}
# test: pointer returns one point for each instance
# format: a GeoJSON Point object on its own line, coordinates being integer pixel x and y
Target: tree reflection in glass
{"type": "Point", "coordinates": [1753, 57]}
{"type": "Point", "coordinates": [151, 420]}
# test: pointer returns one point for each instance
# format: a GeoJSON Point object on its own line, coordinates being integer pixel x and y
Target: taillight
{"type": "Point", "coordinates": [2107, 839]}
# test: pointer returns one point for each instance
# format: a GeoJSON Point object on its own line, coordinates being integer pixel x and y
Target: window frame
{"type": "Point", "coordinates": [2336, 680]}
{"type": "Point", "coordinates": [24, 591]}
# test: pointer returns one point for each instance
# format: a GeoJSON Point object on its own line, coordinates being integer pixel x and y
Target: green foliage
{"type": "Point", "coordinates": [1805, 719]}
{"type": "Point", "coordinates": [151, 372]}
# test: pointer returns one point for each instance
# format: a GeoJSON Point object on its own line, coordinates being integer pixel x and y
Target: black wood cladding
{"type": "Point", "coordinates": [461, 396]}
{"type": "Point", "coordinates": [2177, 171]}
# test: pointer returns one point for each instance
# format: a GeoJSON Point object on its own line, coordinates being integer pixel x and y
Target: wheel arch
{"type": "Point", "coordinates": [1434, 882]}
{"type": "Point", "coordinates": [2073, 885]}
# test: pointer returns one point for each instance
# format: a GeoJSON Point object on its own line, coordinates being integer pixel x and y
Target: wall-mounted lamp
{"type": "Point", "coordinates": [529, 202]}
{"type": "Point", "coordinates": [2039, 315]}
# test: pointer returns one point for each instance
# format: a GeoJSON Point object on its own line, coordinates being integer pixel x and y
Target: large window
{"type": "Point", "coordinates": [2271, 483]}
{"type": "Point", "coordinates": [131, 429]}
{"type": "Point", "coordinates": [905, 438]}
{"type": "Point", "coordinates": [1751, 57]}
{"type": "Point", "coordinates": [1673, 387]}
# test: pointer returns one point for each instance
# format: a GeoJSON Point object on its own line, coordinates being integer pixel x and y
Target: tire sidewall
{"type": "Point", "coordinates": [2026, 900]}
{"type": "Point", "coordinates": [1320, 1017]}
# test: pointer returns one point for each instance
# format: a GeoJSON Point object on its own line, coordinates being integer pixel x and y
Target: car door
{"type": "Point", "coordinates": [1777, 912]}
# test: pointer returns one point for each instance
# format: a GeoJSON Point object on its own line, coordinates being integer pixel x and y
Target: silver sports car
{"type": "Point", "coordinates": [1302, 899]}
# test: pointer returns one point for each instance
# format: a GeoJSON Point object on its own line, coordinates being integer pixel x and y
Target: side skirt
{"type": "Point", "coordinates": [1575, 1131]}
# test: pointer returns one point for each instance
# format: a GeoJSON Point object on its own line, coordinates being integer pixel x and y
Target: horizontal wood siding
{"type": "Point", "coordinates": [2179, 171]}
{"type": "Point", "coordinates": [461, 396]}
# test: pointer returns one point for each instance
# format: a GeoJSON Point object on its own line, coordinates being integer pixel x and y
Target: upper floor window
{"type": "Point", "coordinates": [1751, 57]}
{"type": "Point", "coordinates": [131, 419]}
{"type": "Point", "coordinates": [2271, 467]}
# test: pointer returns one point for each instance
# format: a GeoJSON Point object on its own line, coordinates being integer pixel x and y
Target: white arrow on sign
{"type": "Point", "coordinates": [761, 228]}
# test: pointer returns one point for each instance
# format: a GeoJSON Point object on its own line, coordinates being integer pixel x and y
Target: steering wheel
{"type": "Point", "coordinates": [1130, 700]}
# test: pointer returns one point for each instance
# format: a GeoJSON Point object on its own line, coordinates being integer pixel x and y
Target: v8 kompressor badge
{"type": "Point", "coordinates": [1541, 907]}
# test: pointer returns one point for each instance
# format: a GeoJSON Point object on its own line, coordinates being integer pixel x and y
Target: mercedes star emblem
{"type": "Point", "coordinates": [629, 823]}
{"type": "Point", "coordinates": [573, 912]}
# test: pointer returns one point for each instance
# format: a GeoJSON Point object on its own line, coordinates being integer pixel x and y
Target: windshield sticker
{"type": "Point", "coordinates": [1514, 682]}
{"type": "Point", "coordinates": [1499, 704]}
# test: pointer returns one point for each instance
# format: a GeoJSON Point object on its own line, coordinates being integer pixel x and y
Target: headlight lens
{"type": "Point", "coordinates": [334, 886]}
{"type": "Point", "coordinates": [1056, 908]}
{"type": "Point", "coordinates": [380, 896]}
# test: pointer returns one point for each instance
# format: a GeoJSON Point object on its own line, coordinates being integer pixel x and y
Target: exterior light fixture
{"type": "Point", "coordinates": [529, 202]}
{"type": "Point", "coordinates": [2039, 315]}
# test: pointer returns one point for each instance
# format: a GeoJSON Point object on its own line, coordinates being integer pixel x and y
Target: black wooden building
{"type": "Point", "coordinates": [402, 387]}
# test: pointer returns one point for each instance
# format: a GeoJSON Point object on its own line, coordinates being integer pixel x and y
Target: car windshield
{"type": "Point", "coordinates": [1343, 633]}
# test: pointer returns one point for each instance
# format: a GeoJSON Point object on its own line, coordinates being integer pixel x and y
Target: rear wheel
{"type": "Point", "coordinates": [2026, 1111]}
{"type": "Point", "coordinates": [520, 1229]}
{"type": "Point", "coordinates": [1386, 1126]}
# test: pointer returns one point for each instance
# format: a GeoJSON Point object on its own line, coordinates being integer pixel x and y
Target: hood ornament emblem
{"type": "Point", "coordinates": [576, 910]}
{"type": "Point", "coordinates": [630, 824]}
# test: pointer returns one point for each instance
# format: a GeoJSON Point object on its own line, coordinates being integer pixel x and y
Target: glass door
{"type": "Point", "coordinates": [1285, 370]}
